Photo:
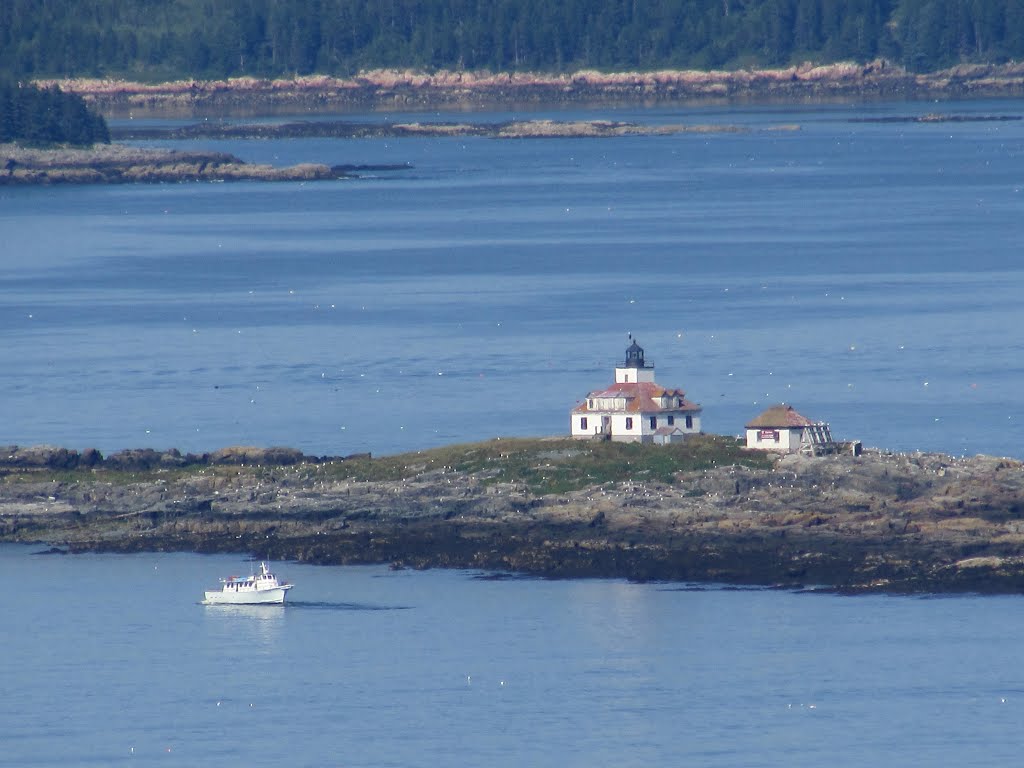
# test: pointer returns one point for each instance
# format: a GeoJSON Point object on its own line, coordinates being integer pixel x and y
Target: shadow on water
{"type": "Point", "coordinates": [716, 588]}
{"type": "Point", "coordinates": [325, 606]}
{"type": "Point", "coordinates": [504, 576]}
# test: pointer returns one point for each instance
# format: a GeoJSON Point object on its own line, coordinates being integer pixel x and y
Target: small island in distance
{"type": "Point", "coordinates": [704, 510]}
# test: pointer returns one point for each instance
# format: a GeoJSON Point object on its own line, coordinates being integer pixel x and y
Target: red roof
{"type": "Point", "coordinates": [640, 397]}
{"type": "Point", "coordinates": [781, 416]}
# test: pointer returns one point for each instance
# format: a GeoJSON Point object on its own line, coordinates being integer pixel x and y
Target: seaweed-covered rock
{"type": "Point", "coordinates": [38, 456]}
{"type": "Point", "coordinates": [241, 454]}
{"type": "Point", "coordinates": [133, 460]}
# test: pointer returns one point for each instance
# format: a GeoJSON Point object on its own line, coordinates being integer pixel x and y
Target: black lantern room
{"type": "Point", "coordinates": [635, 356]}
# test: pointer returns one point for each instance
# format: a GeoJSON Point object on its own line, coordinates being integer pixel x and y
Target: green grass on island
{"type": "Point", "coordinates": [559, 465]}
{"type": "Point", "coordinates": [541, 465]}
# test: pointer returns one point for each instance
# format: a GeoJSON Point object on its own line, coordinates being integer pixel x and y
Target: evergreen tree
{"type": "Point", "coordinates": [47, 116]}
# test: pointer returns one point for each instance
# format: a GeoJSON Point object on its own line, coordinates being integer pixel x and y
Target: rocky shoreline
{"type": "Point", "coordinates": [873, 523]}
{"type": "Point", "coordinates": [393, 89]}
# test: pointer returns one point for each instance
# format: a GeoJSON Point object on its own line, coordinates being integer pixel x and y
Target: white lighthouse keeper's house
{"type": "Point", "coordinates": [635, 408]}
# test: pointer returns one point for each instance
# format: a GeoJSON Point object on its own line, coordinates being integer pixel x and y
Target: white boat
{"type": "Point", "coordinates": [262, 588]}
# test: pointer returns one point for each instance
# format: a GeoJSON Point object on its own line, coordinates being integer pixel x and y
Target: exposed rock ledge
{"type": "Point", "coordinates": [344, 129]}
{"type": "Point", "coordinates": [706, 511]}
{"type": "Point", "coordinates": [118, 164]}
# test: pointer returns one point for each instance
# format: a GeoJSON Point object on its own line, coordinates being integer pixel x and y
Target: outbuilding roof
{"type": "Point", "coordinates": [668, 431]}
{"type": "Point", "coordinates": [780, 416]}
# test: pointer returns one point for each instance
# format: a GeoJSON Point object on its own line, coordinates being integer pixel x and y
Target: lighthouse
{"type": "Point", "coordinates": [635, 408]}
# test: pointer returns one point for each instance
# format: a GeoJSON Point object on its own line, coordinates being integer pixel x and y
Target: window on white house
{"type": "Point", "coordinates": [583, 423]}
{"type": "Point", "coordinates": [654, 422]}
{"type": "Point", "coordinates": [671, 420]}
{"type": "Point", "coordinates": [689, 421]}
{"type": "Point", "coordinates": [629, 423]}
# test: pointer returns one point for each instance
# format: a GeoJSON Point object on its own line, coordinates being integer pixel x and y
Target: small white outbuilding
{"type": "Point", "coordinates": [782, 429]}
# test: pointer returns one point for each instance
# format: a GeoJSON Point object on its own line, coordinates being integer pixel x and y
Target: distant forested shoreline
{"type": "Point", "coordinates": [154, 41]}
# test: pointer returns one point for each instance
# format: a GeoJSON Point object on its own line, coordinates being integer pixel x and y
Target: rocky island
{"type": "Point", "coordinates": [706, 510]}
{"type": "Point", "coordinates": [347, 129]}
{"type": "Point", "coordinates": [120, 164]}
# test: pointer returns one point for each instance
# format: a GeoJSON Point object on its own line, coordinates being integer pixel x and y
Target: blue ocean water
{"type": "Point", "coordinates": [110, 660]}
{"type": "Point", "coordinates": [867, 273]}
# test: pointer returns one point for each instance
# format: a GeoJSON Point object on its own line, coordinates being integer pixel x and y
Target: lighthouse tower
{"type": "Point", "coordinates": [635, 370]}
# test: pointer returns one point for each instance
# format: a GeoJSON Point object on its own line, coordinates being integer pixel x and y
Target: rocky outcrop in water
{"type": "Point", "coordinates": [343, 129]}
{"type": "Point", "coordinates": [878, 522]}
{"type": "Point", "coordinates": [118, 164]}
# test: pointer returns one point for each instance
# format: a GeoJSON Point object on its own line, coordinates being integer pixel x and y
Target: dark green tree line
{"type": "Point", "coordinates": [159, 39]}
{"type": "Point", "coordinates": [47, 116]}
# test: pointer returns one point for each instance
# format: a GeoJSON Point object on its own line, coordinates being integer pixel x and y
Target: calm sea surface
{"type": "Point", "coordinates": [110, 660]}
{"type": "Point", "coordinates": [868, 273]}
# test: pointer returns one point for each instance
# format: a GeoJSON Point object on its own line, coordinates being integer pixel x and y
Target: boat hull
{"type": "Point", "coordinates": [274, 596]}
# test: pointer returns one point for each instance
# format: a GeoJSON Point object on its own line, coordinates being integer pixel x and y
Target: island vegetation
{"type": "Point", "coordinates": [155, 41]}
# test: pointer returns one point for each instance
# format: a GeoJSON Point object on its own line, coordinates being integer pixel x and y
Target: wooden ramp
{"type": "Point", "coordinates": [817, 440]}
